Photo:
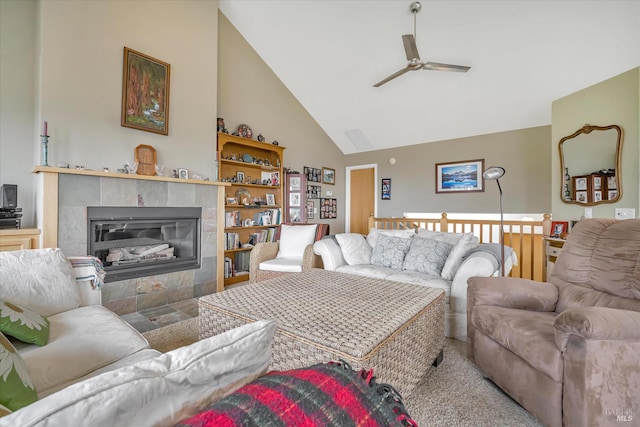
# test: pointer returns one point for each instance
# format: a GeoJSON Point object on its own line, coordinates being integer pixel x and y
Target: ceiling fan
{"type": "Point", "coordinates": [409, 41]}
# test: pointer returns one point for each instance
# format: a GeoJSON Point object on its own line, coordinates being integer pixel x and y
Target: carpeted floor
{"type": "Point", "coordinates": [454, 394]}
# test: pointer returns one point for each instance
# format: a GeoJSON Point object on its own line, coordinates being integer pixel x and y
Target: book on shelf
{"type": "Point", "coordinates": [228, 267]}
{"type": "Point", "coordinates": [261, 236]}
{"type": "Point", "coordinates": [231, 241]}
{"type": "Point", "coordinates": [268, 217]}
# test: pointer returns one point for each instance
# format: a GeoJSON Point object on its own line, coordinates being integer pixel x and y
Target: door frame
{"type": "Point", "coordinates": [347, 208]}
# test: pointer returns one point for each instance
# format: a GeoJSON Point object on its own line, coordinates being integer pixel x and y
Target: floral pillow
{"type": "Point", "coordinates": [23, 324]}
{"type": "Point", "coordinates": [427, 256]}
{"type": "Point", "coordinates": [390, 251]}
{"type": "Point", "coordinates": [16, 388]}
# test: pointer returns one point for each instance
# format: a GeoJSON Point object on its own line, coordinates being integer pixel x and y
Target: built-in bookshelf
{"type": "Point", "coordinates": [253, 201]}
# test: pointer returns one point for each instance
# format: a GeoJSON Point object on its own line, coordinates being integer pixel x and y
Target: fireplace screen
{"type": "Point", "coordinates": [136, 242]}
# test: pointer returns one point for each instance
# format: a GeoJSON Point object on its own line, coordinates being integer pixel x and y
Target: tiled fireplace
{"type": "Point", "coordinates": [76, 192]}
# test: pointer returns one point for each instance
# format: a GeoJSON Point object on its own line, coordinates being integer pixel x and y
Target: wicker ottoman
{"type": "Point", "coordinates": [395, 328]}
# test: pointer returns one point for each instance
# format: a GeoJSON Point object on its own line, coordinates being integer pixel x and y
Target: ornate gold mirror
{"type": "Point", "coordinates": [590, 165]}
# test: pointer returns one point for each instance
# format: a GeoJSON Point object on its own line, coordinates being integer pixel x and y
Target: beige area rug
{"type": "Point", "coordinates": [454, 394]}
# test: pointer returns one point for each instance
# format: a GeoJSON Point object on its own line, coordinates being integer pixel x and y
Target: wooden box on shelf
{"type": "Point", "coordinates": [254, 200]}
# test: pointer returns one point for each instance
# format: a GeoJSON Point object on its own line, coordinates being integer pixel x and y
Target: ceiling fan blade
{"type": "Point", "coordinates": [410, 48]}
{"type": "Point", "coordinates": [393, 76]}
{"type": "Point", "coordinates": [435, 66]}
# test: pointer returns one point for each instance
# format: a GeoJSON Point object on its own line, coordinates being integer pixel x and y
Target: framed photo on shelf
{"type": "Point", "coordinates": [612, 184]}
{"type": "Point", "coordinates": [583, 188]}
{"type": "Point", "coordinates": [456, 177]}
{"type": "Point", "coordinates": [232, 201]}
{"type": "Point", "coordinates": [582, 196]}
{"type": "Point", "coordinates": [240, 177]}
{"type": "Point", "coordinates": [271, 199]}
{"type": "Point", "coordinates": [558, 228]}
{"type": "Point", "coordinates": [328, 176]}
{"type": "Point", "coordinates": [612, 194]}
{"type": "Point", "coordinates": [597, 196]}
{"type": "Point", "coordinates": [386, 188]}
{"type": "Point", "coordinates": [183, 173]}
{"type": "Point", "coordinates": [145, 93]}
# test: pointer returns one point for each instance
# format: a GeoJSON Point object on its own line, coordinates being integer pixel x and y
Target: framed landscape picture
{"type": "Point", "coordinates": [328, 176]}
{"type": "Point", "coordinates": [456, 177]}
{"type": "Point", "coordinates": [145, 93]}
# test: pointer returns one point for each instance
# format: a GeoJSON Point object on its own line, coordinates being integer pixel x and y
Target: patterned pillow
{"type": "Point", "coordinates": [390, 251]}
{"type": "Point", "coordinates": [329, 394]}
{"type": "Point", "coordinates": [427, 256]}
{"type": "Point", "coordinates": [23, 324]}
{"type": "Point", "coordinates": [16, 387]}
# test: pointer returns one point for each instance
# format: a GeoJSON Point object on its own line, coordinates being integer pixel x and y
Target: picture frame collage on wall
{"type": "Point", "coordinates": [313, 191]}
{"type": "Point", "coordinates": [328, 208]}
{"type": "Point", "coordinates": [312, 174]}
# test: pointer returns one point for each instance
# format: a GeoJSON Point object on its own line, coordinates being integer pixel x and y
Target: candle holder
{"type": "Point", "coordinates": [45, 150]}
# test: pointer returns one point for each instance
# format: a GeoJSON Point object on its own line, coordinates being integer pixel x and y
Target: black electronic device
{"type": "Point", "coordinates": [8, 196]}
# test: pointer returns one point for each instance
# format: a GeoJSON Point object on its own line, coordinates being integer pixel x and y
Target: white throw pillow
{"type": "Point", "coordinates": [293, 240]}
{"type": "Point", "coordinates": [160, 391]}
{"type": "Point", "coordinates": [41, 280]}
{"type": "Point", "coordinates": [465, 244]}
{"type": "Point", "coordinates": [372, 237]}
{"type": "Point", "coordinates": [354, 247]}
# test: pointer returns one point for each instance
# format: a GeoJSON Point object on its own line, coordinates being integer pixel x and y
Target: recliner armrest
{"type": "Point", "coordinates": [476, 264]}
{"type": "Point", "coordinates": [523, 294]}
{"type": "Point", "coordinates": [596, 323]}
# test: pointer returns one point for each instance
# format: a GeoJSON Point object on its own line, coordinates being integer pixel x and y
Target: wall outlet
{"type": "Point", "coordinates": [625, 213]}
{"type": "Point", "coordinates": [329, 193]}
{"type": "Point", "coordinates": [588, 212]}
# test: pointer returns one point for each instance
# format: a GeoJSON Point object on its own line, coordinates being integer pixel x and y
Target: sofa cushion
{"type": "Point", "coordinates": [390, 251]}
{"type": "Point", "coordinates": [355, 248]}
{"type": "Point", "coordinates": [372, 237]}
{"type": "Point", "coordinates": [293, 240]}
{"type": "Point", "coordinates": [426, 256]}
{"type": "Point", "coordinates": [16, 388]}
{"type": "Point", "coordinates": [39, 279]}
{"type": "Point", "coordinates": [286, 265]}
{"type": "Point", "coordinates": [368, 270]}
{"type": "Point", "coordinates": [162, 390]}
{"type": "Point", "coordinates": [422, 279]}
{"type": "Point", "coordinates": [80, 341]}
{"type": "Point", "coordinates": [330, 394]}
{"type": "Point", "coordinates": [23, 324]}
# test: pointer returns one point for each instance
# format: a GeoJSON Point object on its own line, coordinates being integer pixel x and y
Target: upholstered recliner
{"type": "Point", "coordinates": [293, 252]}
{"type": "Point", "coordinates": [569, 350]}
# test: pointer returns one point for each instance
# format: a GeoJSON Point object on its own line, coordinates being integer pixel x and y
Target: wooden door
{"type": "Point", "coordinates": [362, 201]}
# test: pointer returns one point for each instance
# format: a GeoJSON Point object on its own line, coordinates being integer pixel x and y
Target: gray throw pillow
{"type": "Point", "coordinates": [390, 251]}
{"type": "Point", "coordinates": [427, 256]}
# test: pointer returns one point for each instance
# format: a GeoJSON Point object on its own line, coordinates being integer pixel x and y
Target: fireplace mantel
{"type": "Point", "coordinates": [55, 171]}
{"type": "Point", "coordinates": [48, 202]}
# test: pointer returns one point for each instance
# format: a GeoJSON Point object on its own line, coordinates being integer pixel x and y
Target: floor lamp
{"type": "Point", "coordinates": [496, 172]}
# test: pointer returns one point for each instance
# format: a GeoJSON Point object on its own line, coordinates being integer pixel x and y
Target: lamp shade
{"type": "Point", "coordinates": [493, 172]}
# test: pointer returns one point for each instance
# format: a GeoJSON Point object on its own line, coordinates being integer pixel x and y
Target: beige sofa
{"type": "Point", "coordinates": [567, 350]}
{"type": "Point", "coordinates": [96, 368]}
{"type": "Point", "coordinates": [354, 253]}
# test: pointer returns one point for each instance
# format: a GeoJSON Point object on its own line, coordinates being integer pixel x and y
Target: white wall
{"type": "Point", "coordinates": [79, 47]}
{"type": "Point", "coordinates": [613, 101]}
{"type": "Point", "coordinates": [18, 22]}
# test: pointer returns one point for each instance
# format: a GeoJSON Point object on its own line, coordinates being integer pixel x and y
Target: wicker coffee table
{"type": "Point", "coordinates": [395, 328]}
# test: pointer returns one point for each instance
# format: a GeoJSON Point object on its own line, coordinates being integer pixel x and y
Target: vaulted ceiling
{"type": "Point", "coordinates": [523, 55]}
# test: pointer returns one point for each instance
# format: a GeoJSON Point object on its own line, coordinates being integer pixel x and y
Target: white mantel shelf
{"type": "Point", "coordinates": [86, 172]}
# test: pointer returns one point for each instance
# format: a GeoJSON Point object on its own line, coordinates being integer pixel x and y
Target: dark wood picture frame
{"type": "Point", "coordinates": [328, 176]}
{"type": "Point", "coordinates": [458, 177]}
{"type": "Point", "coordinates": [145, 93]}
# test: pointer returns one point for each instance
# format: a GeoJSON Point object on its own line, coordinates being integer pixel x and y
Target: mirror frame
{"type": "Point", "coordinates": [585, 130]}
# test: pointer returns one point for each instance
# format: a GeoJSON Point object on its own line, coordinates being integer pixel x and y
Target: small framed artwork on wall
{"type": "Point", "coordinates": [386, 189]}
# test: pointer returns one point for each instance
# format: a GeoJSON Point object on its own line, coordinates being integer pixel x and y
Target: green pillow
{"type": "Point", "coordinates": [23, 324]}
{"type": "Point", "coordinates": [16, 388]}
